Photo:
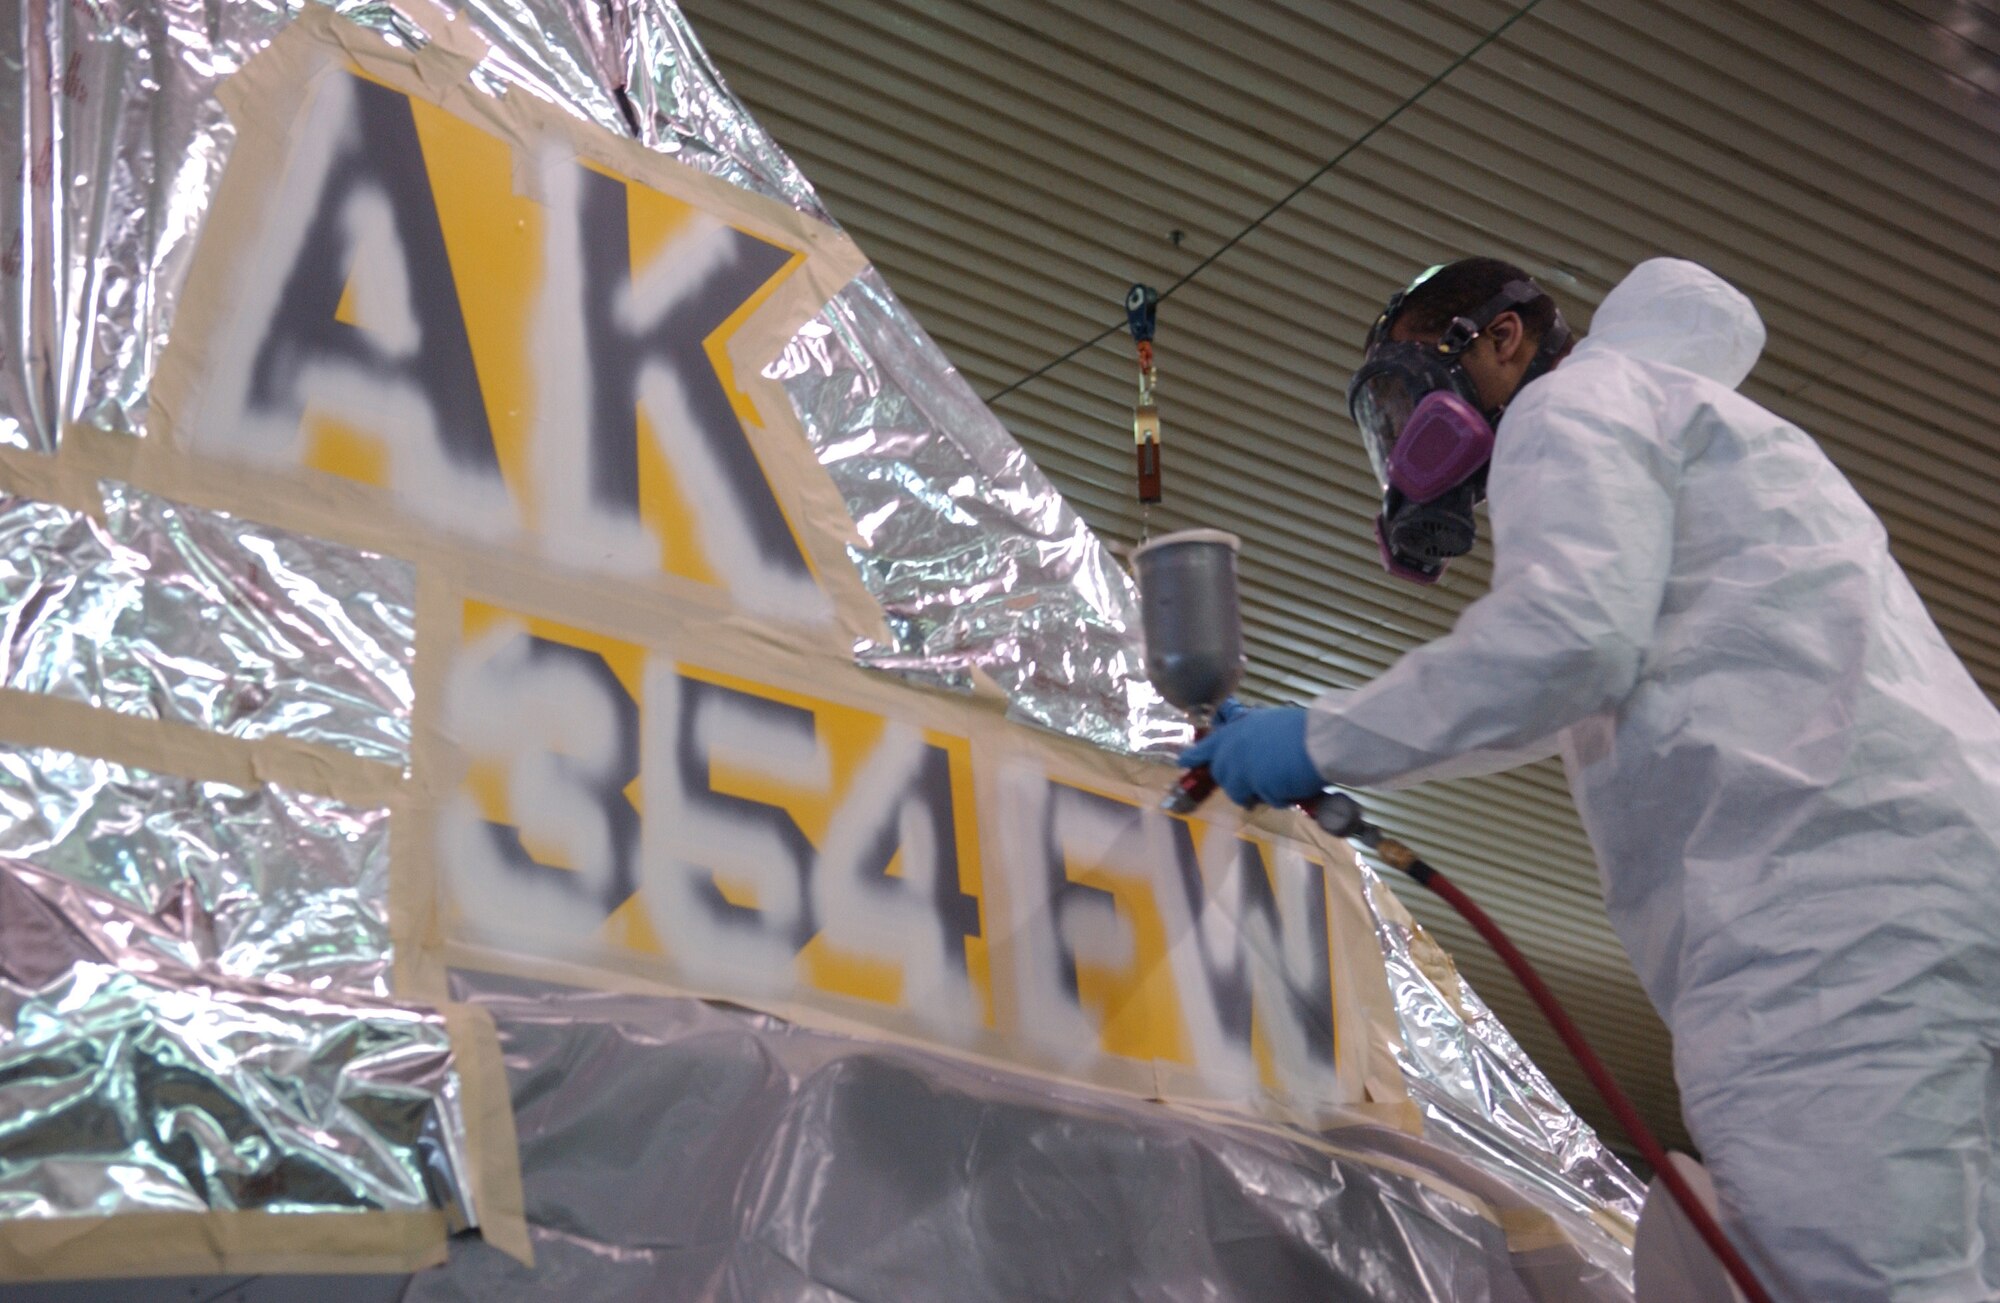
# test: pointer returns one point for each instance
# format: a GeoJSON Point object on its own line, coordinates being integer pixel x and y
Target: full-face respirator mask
{"type": "Point", "coordinates": [1426, 434]}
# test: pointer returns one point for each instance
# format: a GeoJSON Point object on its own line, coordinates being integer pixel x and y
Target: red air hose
{"type": "Point", "coordinates": [1340, 814]}
{"type": "Point", "coordinates": [1628, 1117]}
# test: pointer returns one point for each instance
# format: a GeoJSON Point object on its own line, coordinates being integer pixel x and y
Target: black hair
{"type": "Point", "coordinates": [1461, 288]}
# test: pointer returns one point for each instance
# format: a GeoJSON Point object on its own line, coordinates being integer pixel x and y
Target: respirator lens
{"type": "Point", "coordinates": [1381, 404]}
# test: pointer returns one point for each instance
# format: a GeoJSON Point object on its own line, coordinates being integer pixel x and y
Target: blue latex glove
{"type": "Point", "coordinates": [1258, 755]}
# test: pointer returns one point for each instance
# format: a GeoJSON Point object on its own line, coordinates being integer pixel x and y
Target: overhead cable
{"type": "Point", "coordinates": [1294, 193]}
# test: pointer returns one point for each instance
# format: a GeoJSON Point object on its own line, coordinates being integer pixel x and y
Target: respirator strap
{"type": "Point", "coordinates": [1458, 336]}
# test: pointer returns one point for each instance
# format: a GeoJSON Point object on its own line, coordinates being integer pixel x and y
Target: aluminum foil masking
{"type": "Point", "coordinates": [168, 612]}
{"type": "Point", "coordinates": [979, 564]}
{"type": "Point", "coordinates": [190, 1004]}
{"type": "Point", "coordinates": [194, 1010]}
{"type": "Point", "coordinates": [111, 123]}
{"type": "Point", "coordinates": [267, 884]}
{"type": "Point", "coordinates": [1480, 1093]}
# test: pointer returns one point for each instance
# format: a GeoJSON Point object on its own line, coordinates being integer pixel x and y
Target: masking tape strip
{"type": "Point", "coordinates": [220, 1243]}
{"type": "Point", "coordinates": [491, 1145]}
{"type": "Point", "coordinates": [187, 751]}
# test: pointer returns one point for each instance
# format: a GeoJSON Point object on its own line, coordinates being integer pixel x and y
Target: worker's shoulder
{"type": "Point", "coordinates": [1592, 372]}
{"type": "Point", "coordinates": [1668, 415]}
{"type": "Point", "coordinates": [1599, 386]}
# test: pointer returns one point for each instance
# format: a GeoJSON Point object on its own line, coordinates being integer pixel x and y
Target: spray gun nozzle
{"type": "Point", "coordinates": [1185, 797]}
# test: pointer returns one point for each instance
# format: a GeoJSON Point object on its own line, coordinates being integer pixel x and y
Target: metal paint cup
{"type": "Point", "coordinates": [1188, 609]}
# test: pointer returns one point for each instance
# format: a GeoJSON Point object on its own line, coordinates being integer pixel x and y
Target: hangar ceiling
{"type": "Point", "coordinates": [1014, 166]}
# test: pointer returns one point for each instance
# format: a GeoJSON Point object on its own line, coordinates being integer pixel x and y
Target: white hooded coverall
{"type": "Point", "coordinates": [1791, 783]}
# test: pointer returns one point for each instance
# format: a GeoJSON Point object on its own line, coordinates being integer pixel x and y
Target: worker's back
{"type": "Point", "coordinates": [1796, 810]}
{"type": "Point", "coordinates": [1804, 767]}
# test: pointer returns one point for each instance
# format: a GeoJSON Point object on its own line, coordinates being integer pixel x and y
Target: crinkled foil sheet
{"type": "Point", "coordinates": [1479, 1091]}
{"type": "Point", "coordinates": [979, 564]}
{"type": "Point", "coordinates": [140, 933]}
{"type": "Point", "coordinates": [265, 884]}
{"type": "Point", "coordinates": [168, 612]}
{"type": "Point", "coordinates": [224, 1098]}
{"type": "Point", "coordinates": [139, 1073]}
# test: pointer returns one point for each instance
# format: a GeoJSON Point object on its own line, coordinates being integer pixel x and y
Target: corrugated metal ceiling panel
{"type": "Point", "coordinates": [1014, 166]}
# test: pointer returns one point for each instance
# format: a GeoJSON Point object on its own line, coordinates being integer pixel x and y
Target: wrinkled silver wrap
{"type": "Point", "coordinates": [192, 976]}
{"type": "Point", "coordinates": [1480, 1093]}
{"type": "Point", "coordinates": [979, 564]}
{"type": "Point", "coordinates": [191, 1011]}
{"type": "Point", "coordinates": [263, 884]}
{"type": "Point", "coordinates": [168, 612]}
{"type": "Point", "coordinates": [225, 1099]}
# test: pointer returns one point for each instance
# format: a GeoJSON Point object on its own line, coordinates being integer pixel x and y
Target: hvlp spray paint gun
{"type": "Point", "coordinates": [1194, 656]}
{"type": "Point", "coordinates": [1194, 634]}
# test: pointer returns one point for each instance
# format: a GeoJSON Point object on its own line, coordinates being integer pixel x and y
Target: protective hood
{"type": "Point", "coordinates": [1682, 314]}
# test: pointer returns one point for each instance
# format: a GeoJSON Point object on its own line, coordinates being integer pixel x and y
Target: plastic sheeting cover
{"type": "Point", "coordinates": [675, 1150]}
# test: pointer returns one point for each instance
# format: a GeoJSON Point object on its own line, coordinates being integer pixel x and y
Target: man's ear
{"type": "Point", "coordinates": [1509, 336]}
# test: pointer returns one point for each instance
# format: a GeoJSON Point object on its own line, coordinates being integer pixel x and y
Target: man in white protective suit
{"type": "Point", "coordinates": [1791, 783]}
